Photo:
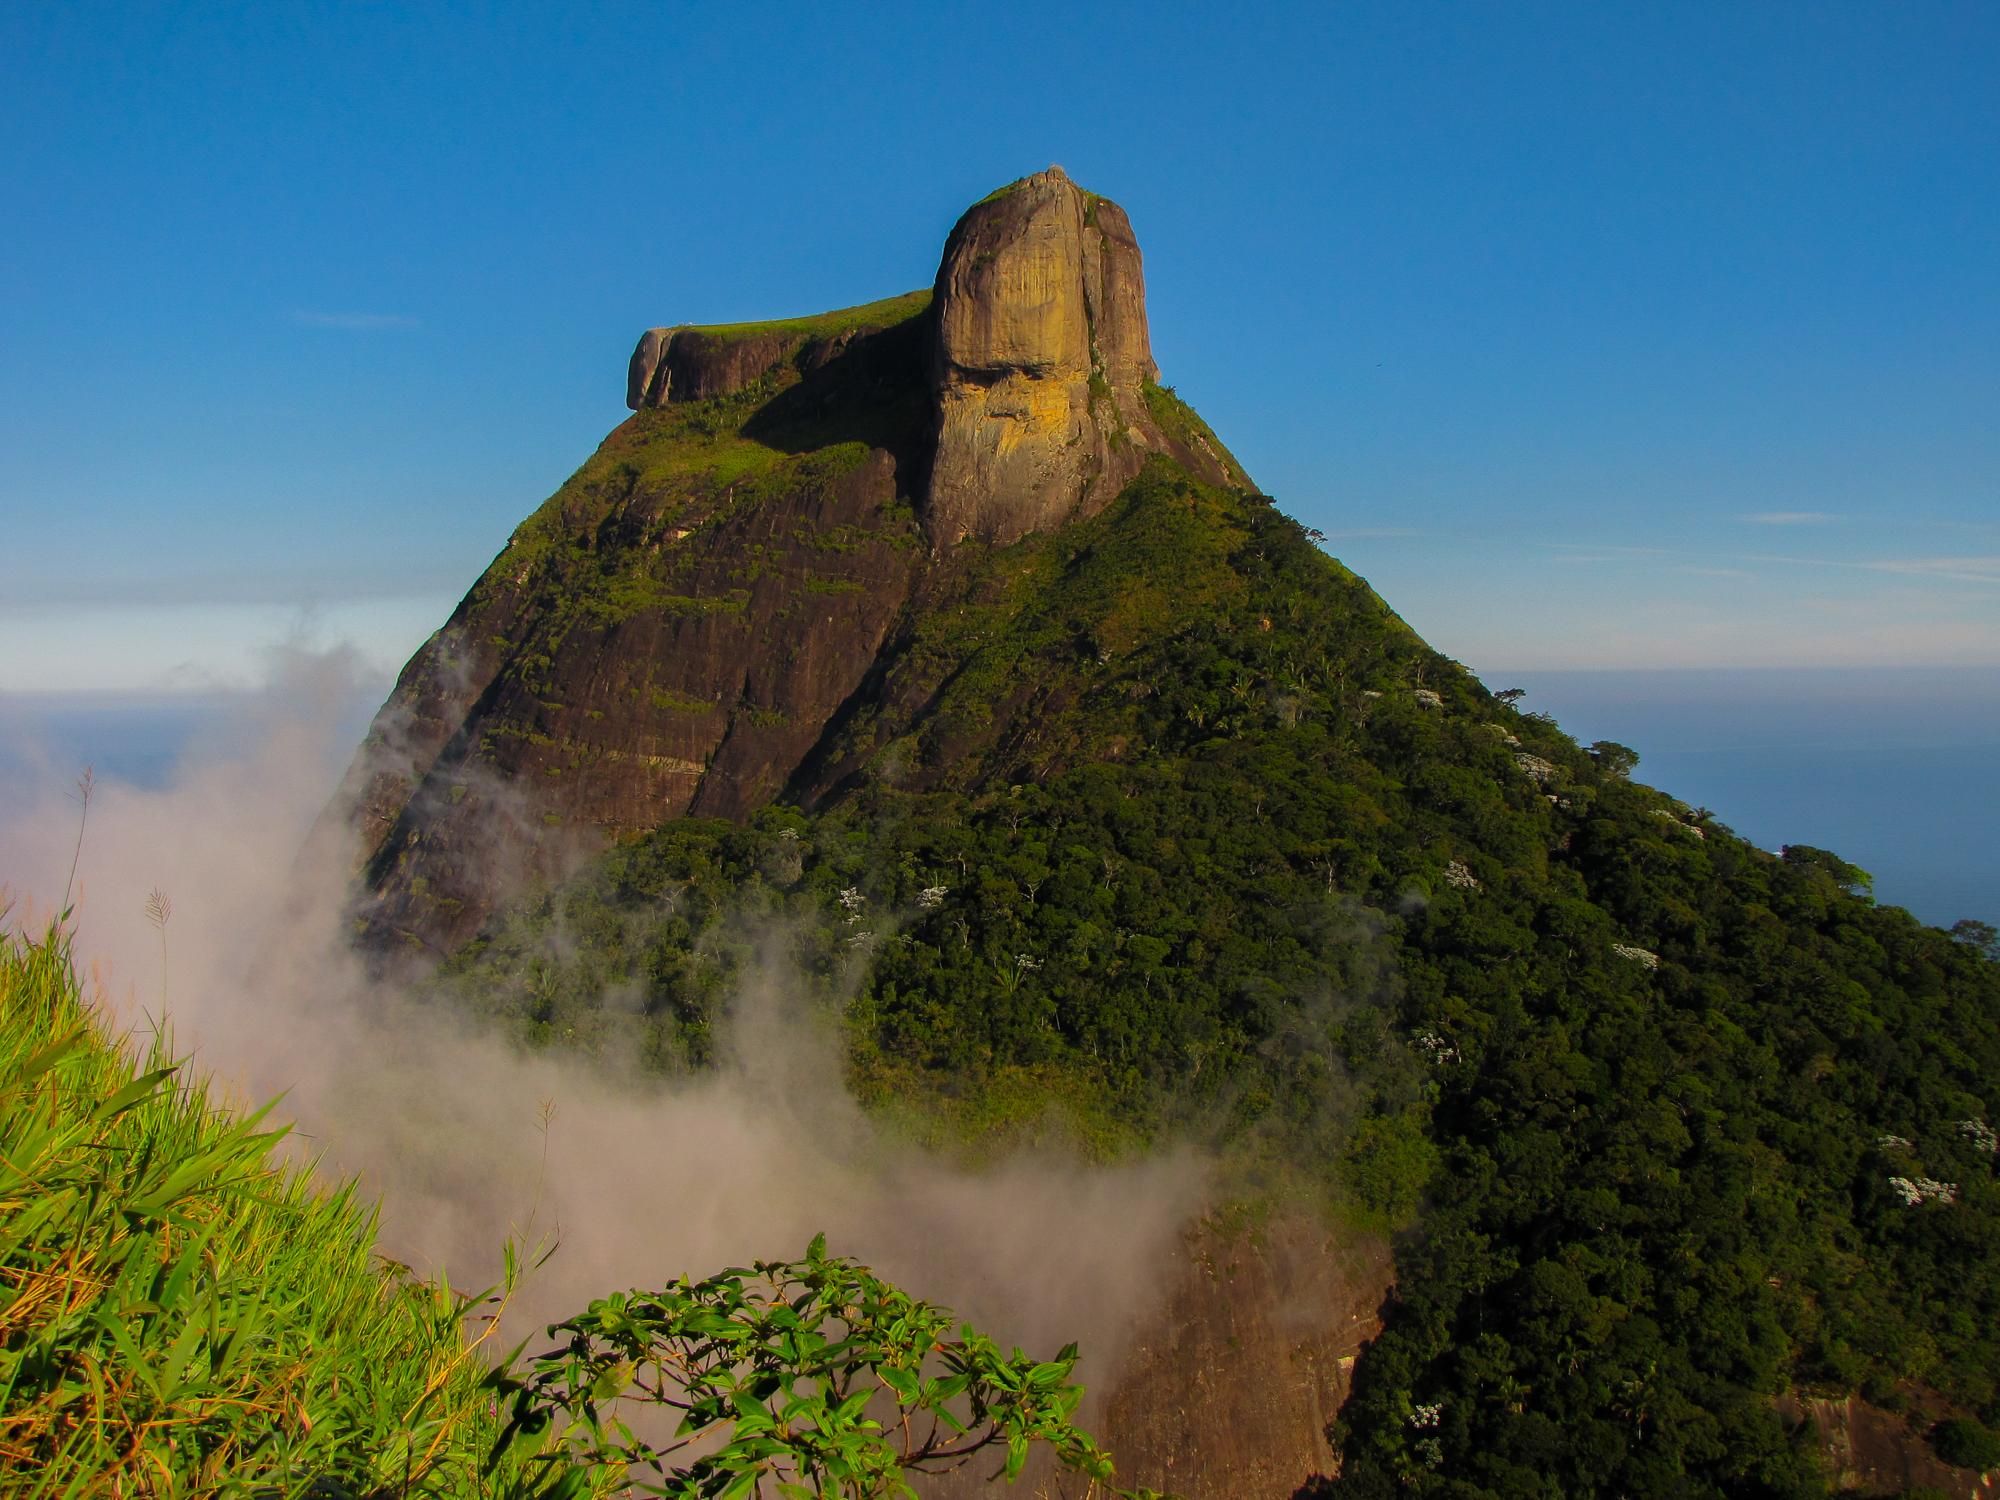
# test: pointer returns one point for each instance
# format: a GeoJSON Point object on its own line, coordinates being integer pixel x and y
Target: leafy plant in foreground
{"type": "Point", "coordinates": [814, 1375]}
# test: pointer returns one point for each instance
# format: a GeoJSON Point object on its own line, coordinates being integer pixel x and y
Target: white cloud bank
{"type": "Point", "coordinates": [641, 1180]}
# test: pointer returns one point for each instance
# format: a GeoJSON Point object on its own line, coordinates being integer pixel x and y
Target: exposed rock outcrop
{"type": "Point", "coordinates": [1041, 364]}
{"type": "Point", "coordinates": [692, 364]}
{"type": "Point", "coordinates": [1869, 1451]}
{"type": "Point", "coordinates": [1232, 1380]}
{"type": "Point", "coordinates": [1232, 1388]}
{"type": "Point", "coordinates": [683, 364]}
{"type": "Point", "coordinates": [520, 756]}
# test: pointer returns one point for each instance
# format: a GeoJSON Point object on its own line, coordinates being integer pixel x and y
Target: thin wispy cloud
{"type": "Point", "coordinates": [1970, 569]}
{"type": "Point", "coordinates": [1789, 517]}
{"type": "Point", "coordinates": [1966, 569]}
{"type": "Point", "coordinates": [352, 320]}
{"type": "Point", "coordinates": [1600, 552]}
{"type": "Point", "coordinates": [1952, 525]}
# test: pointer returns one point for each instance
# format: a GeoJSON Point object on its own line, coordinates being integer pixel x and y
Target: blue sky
{"type": "Point", "coordinates": [1595, 336]}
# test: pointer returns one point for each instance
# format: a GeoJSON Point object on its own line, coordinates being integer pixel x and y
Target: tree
{"type": "Point", "coordinates": [1847, 877]}
{"type": "Point", "coordinates": [1981, 935]}
{"type": "Point", "coordinates": [814, 1376]}
{"type": "Point", "coordinates": [1613, 759]}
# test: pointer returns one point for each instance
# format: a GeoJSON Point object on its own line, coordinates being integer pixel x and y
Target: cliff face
{"type": "Point", "coordinates": [1254, 1353]}
{"type": "Point", "coordinates": [688, 624]}
{"type": "Point", "coordinates": [1042, 352]}
{"type": "Point", "coordinates": [697, 364]}
{"type": "Point", "coordinates": [667, 635]}
{"type": "Point", "coordinates": [1234, 1380]}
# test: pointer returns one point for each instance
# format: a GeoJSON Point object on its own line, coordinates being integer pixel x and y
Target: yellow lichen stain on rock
{"type": "Point", "coordinates": [1040, 364]}
{"type": "Point", "coordinates": [1040, 322]}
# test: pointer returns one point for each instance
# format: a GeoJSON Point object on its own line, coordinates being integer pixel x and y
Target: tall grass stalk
{"type": "Point", "coordinates": [158, 911]}
{"type": "Point", "coordinates": [178, 1315]}
{"type": "Point", "coordinates": [84, 783]}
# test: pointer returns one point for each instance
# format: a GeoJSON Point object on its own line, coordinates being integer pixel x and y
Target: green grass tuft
{"type": "Point", "coordinates": [884, 314]}
{"type": "Point", "coordinates": [181, 1314]}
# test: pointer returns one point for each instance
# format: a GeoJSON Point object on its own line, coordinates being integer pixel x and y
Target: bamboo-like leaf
{"type": "Point", "coordinates": [48, 1057]}
{"type": "Point", "coordinates": [178, 1354]}
{"type": "Point", "coordinates": [135, 1093]}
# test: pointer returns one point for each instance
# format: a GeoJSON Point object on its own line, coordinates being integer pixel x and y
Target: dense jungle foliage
{"type": "Point", "coordinates": [1192, 835]}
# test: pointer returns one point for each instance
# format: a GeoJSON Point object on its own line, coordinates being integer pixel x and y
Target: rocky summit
{"type": "Point", "coordinates": [679, 628]}
{"type": "Point", "coordinates": [1040, 365]}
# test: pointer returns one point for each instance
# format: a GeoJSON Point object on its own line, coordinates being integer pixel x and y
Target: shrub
{"type": "Point", "coordinates": [1966, 1444]}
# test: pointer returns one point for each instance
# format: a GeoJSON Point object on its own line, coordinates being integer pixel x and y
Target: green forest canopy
{"type": "Point", "coordinates": [1667, 1124]}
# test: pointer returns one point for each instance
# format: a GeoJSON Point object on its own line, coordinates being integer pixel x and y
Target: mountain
{"type": "Point", "coordinates": [1091, 790]}
{"type": "Point", "coordinates": [684, 626]}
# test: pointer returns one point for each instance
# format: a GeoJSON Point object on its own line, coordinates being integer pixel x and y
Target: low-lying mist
{"type": "Point", "coordinates": [467, 1139]}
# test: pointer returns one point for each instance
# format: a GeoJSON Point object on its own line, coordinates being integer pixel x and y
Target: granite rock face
{"type": "Point", "coordinates": [1042, 354]}
{"type": "Point", "coordinates": [1231, 1388]}
{"type": "Point", "coordinates": [1867, 1450]}
{"type": "Point", "coordinates": [505, 761]}
{"type": "Point", "coordinates": [693, 364]}
{"type": "Point", "coordinates": [1229, 1383]}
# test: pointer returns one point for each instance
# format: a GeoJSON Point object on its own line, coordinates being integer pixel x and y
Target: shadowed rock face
{"type": "Point", "coordinates": [689, 364]}
{"type": "Point", "coordinates": [527, 733]}
{"type": "Point", "coordinates": [1041, 357]}
{"type": "Point", "coordinates": [1231, 1381]}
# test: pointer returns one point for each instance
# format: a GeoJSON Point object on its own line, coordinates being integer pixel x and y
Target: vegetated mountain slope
{"type": "Point", "coordinates": [1167, 817]}
{"type": "Point", "coordinates": [943, 641]}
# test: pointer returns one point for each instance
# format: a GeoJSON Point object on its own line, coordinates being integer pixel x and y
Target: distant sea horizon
{"type": "Point", "coordinates": [1891, 768]}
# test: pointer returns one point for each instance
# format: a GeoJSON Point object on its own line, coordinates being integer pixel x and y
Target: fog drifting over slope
{"type": "Point", "coordinates": [640, 1181]}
